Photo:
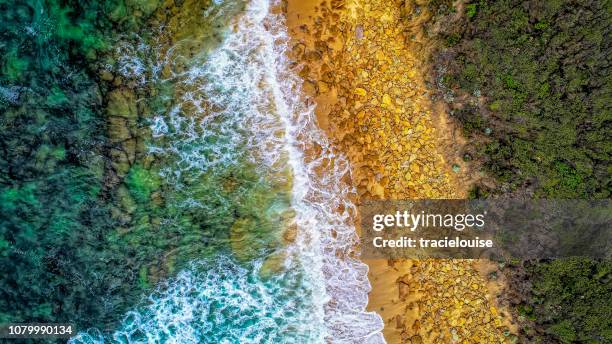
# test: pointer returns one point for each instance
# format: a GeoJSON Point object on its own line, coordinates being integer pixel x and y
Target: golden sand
{"type": "Point", "coordinates": [364, 64]}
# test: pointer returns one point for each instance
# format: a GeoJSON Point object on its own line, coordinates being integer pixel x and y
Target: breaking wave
{"type": "Point", "coordinates": [243, 103]}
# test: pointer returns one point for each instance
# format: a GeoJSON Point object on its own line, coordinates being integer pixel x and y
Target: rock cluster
{"type": "Point", "coordinates": [452, 303]}
{"type": "Point", "coordinates": [122, 116]}
{"type": "Point", "coordinates": [363, 63]}
{"type": "Point", "coordinates": [380, 118]}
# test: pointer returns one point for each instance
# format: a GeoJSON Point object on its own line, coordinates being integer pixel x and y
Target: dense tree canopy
{"type": "Point", "coordinates": [530, 82]}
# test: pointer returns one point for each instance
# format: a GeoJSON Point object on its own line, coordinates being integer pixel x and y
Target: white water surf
{"type": "Point", "coordinates": [246, 98]}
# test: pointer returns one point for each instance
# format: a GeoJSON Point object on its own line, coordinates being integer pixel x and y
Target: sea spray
{"type": "Point", "coordinates": [241, 108]}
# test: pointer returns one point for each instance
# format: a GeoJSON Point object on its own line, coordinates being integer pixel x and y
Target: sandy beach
{"type": "Point", "coordinates": [364, 64]}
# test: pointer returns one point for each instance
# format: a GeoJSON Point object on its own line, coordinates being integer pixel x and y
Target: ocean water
{"type": "Point", "coordinates": [238, 111]}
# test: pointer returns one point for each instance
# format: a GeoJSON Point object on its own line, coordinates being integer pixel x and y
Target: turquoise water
{"type": "Point", "coordinates": [219, 301]}
{"type": "Point", "coordinates": [241, 150]}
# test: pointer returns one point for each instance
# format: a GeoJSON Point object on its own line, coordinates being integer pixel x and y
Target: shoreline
{"type": "Point", "coordinates": [375, 116]}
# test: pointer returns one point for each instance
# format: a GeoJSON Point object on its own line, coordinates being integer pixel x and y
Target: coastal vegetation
{"type": "Point", "coordinates": [530, 83]}
{"type": "Point", "coordinates": [531, 80]}
{"type": "Point", "coordinates": [572, 297]}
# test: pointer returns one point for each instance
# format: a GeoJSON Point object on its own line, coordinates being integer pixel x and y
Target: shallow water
{"type": "Point", "coordinates": [239, 124]}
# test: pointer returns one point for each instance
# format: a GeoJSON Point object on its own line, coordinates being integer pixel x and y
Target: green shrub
{"type": "Point", "coordinates": [471, 10]}
{"type": "Point", "coordinates": [543, 69]}
{"type": "Point", "coordinates": [572, 299]}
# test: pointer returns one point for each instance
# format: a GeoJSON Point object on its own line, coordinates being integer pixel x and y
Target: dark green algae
{"type": "Point", "coordinates": [87, 225]}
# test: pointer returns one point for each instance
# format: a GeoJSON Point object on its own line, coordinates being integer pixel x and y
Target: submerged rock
{"type": "Point", "coordinates": [122, 116]}
{"type": "Point", "coordinates": [122, 103]}
{"type": "Point", "coordinates": [273, 265]}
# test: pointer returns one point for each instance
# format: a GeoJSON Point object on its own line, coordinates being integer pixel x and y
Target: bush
{"type": "Point", "coordinates": [543, 68]}
{"type": "Point", "coordinates": [572, 300]}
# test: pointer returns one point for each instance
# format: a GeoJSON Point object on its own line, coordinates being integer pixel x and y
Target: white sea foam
{"type": "Point", "coordinates": [325, 212]}
{"type": "Point", "coordinates": [217, 301]}
{"type": "Point", "coordinates": [244, 102]}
